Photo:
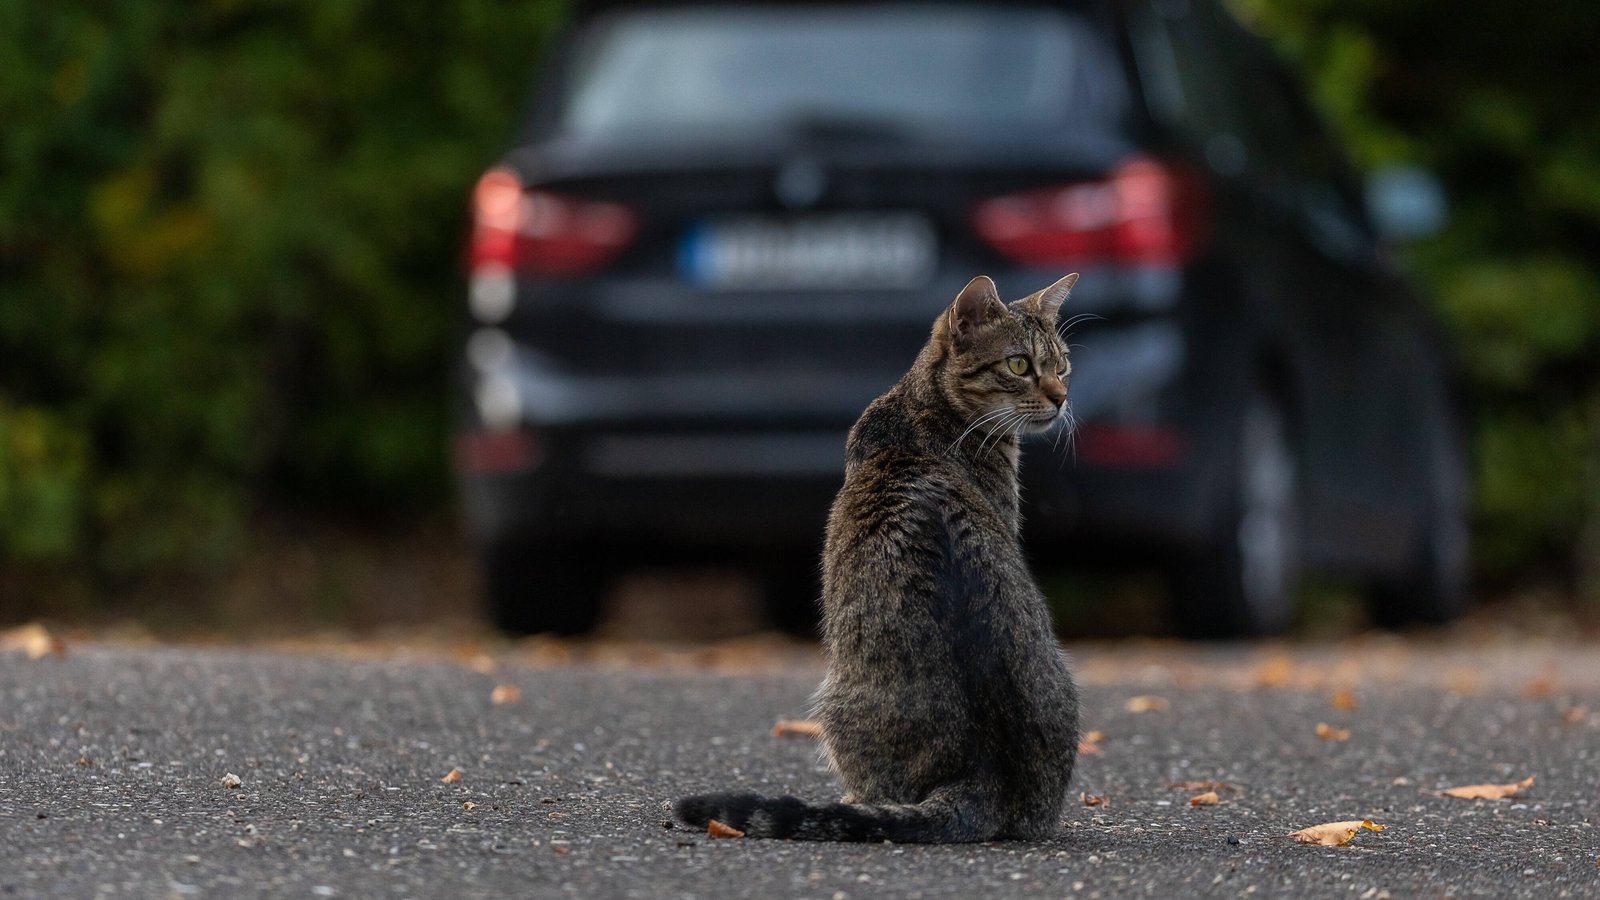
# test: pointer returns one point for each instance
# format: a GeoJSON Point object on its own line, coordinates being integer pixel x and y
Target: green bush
{"type": "Point", "coordinates": [229, 236]}
{"type": "Point", "coordinates": [229, 243]}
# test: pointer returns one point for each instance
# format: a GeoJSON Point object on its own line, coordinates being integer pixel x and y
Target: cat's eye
{"type": "Point", "coordinates": [1020, 365]}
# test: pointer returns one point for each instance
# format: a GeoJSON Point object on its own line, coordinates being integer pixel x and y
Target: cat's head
{"type": "Point", "coordinates": [1007, 368]}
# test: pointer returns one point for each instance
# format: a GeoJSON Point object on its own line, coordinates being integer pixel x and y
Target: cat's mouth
{"type": "Point", "coordinates": [1041, 422]}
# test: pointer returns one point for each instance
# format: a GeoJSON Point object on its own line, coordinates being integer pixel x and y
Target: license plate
{"type": "Point", "coordinates": [839, 250]}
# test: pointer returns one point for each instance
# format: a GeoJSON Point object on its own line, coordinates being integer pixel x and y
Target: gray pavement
{"type": "Point", "coordinates": [112, 762]}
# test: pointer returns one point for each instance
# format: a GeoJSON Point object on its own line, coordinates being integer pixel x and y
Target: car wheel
{"type": "Point", "coordinates": [1433, 589]}
{"type": "Point", "coordinates": [1243, 581]}
{"type": "Point", "coordinates": [533, 587]}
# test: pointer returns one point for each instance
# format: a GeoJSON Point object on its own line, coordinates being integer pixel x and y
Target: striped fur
{"type": "Point", "coordinates": [947, 710]}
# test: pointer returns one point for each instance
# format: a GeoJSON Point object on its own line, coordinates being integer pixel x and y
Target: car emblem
{"type": "Point", "coordinates": [800, 183]}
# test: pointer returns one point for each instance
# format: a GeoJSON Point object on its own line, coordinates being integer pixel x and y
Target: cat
{"type": "Point", "coordinates": [947, 709]}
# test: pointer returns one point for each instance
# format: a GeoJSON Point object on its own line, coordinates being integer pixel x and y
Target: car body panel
{"type": "Point", "coordinates": [666, 412]}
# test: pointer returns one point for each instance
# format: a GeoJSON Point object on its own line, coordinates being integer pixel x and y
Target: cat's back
{"type": "Point", "coordinates": [891, 471]}
{"type": "Point", "coordinates": [905, 508]}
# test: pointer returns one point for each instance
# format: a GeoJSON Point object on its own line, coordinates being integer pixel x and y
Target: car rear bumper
{"type": "Point", "coordinates": [748, 491]}
{"type": "Point", "coordinates": [747, 449]}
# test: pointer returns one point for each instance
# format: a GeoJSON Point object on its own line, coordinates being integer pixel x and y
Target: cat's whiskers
{"type": "Point", "coordinates": [1068, 434]}
{"type": "Point", "coordinates": [1016, 431]}
{"type": "Point", "coordinates": [1064, 329]}
{"type": "Point", "coordinates": [975, 423]}
{"type": "Point", "coordinates": [1004, 428]}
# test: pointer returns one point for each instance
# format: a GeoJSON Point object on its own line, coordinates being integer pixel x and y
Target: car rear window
{"type": "Point", "coordinates": [905, 66]}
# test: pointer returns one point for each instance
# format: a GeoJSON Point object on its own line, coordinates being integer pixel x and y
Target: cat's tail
{"type": "Point", "coordinates": [949, 816]}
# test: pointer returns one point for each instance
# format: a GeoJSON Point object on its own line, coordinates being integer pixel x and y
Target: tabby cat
{"type": "Point", "coordinates": [947, 710]}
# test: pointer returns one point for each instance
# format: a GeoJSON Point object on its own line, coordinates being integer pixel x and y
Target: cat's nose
{"type": "Point", "coordinates": [1054, 390]}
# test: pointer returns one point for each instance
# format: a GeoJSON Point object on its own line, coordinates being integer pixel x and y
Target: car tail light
{"type": "Point", "coordinates": [1145, 212]}
{"type": "Point", "coordinates": [521, 230]}
{"type": "Point", "coordinates": [1131, 446]}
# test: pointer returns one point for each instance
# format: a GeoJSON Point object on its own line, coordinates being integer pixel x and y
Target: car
{"type": "Point", "coordinates": [728, 226]}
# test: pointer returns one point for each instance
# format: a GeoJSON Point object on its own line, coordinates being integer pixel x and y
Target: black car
{"type": "Point", "coordinates": [729, 226]}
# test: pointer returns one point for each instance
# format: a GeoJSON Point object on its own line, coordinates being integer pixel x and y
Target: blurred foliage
{"type": "Point", "coordinates": [229, 244]}
{"type": "Point", "coordinates": [229, 236]}
{"type": "Point", "coordinates": [1498, 100]}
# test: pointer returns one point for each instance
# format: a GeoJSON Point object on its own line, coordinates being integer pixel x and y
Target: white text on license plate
{"type": "Point", "coordinates": [842, 250]}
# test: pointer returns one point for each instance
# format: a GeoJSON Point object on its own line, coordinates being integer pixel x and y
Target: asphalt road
{"type": "Point", "coordinates": [113, 764]}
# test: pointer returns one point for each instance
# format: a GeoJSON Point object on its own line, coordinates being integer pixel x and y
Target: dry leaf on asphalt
{"type": "Point", "coordinates": [452, 776]}
{"type": "Point", "coordinates": [231, 780]}
{"type": "Point", "coordinates": [468, 804]}
{"type": "Point", "coordinates": [1094, 799]}
{"type": "Point", "coordinates": [1090, 745]}
{"type": "Point", "coordinates": [1488, 791]}
{"type": "Point", "coordinates": [34, 640]}
{"type": "Point", "coordinates": [1539, 687]}
{"type": "Point", "coordinates": [1333, 834]}
{"type": "Point", "coordinates": [505, 693]}
{"type": "Point", "coordinates": [1275, 672]}
{"type": "Point", "coordinates": [1572, 715]}
{"type": "Point", "coordinates": [1147, 703]}
{"type": "Point", "coordinates": [1209, 798]}
{"type": "Point", "coordinates": [718, 830]}
{"type": "Point", "coordinates": [798, 727]}
{"type": "Point", "coordinates": [1343, 700]}
{"type": "Point", "coordinates": [1329, 733]}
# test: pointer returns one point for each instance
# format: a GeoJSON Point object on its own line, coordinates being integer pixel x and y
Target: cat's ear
{"type": "Point", "coordinates": [1048, 301]}
{"type": "Point", "coordinates": [977, 303]}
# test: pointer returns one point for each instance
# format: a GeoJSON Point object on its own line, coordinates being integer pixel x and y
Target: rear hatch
{"type": "Point", "coordinates": [752, 214]}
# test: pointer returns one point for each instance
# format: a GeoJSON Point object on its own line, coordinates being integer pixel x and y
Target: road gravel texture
{"type": "Point", "coordinates": [113, 765]}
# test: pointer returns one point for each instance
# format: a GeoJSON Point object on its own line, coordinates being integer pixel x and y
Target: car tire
{"type": "Point", "coordinates": [1433, 589]}
{"type": "Point", "coordinates": [536, 587]}
{"type": "Point", "coordinates": [1243, 581]}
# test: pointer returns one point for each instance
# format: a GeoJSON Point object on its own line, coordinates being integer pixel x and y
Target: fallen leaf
{"type": "Point", "coordinates": [798, 727]}
{"type": "Point", "coordinates": [1572, 715]}
{"type": "Point", "coordinates": [34, 640]}
{"type": "Point", "coordinates": [1147, 703]}
{"type": "Point", "coordinates": [1329, 733]}
{"type": "Point", "coordinates": [1488, 791]}
{"type": "Point", "coordinates": [231, 780]}
{"type": "Point", "coordinates": [561, 850]}
{"type": "Point", "coordinates": [468, 804]}
{"type": "Point", "coordinates": [1343, 700]}
{"type": "Point", "coordinates": [452, 776]}
{"type": "Point", "coordinates": [505, 693]}
{"type": "Point", "coordinates": [1543, 686]}
{"type": "Point", "coordinates": [718, 830]}
{"type": "Point", "coordinates": [1275, 672]}
{"type": "Point", "coordinates": [1209, 798]}
{"type": "Point", "coordinates": [1333, 834]}
{"type": "Point", "coordinates": [85, 759]}
{"type": "Point", "coordinates": [1094, 799]}
{"type": "Point", "coordinates": [1096, 737]}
